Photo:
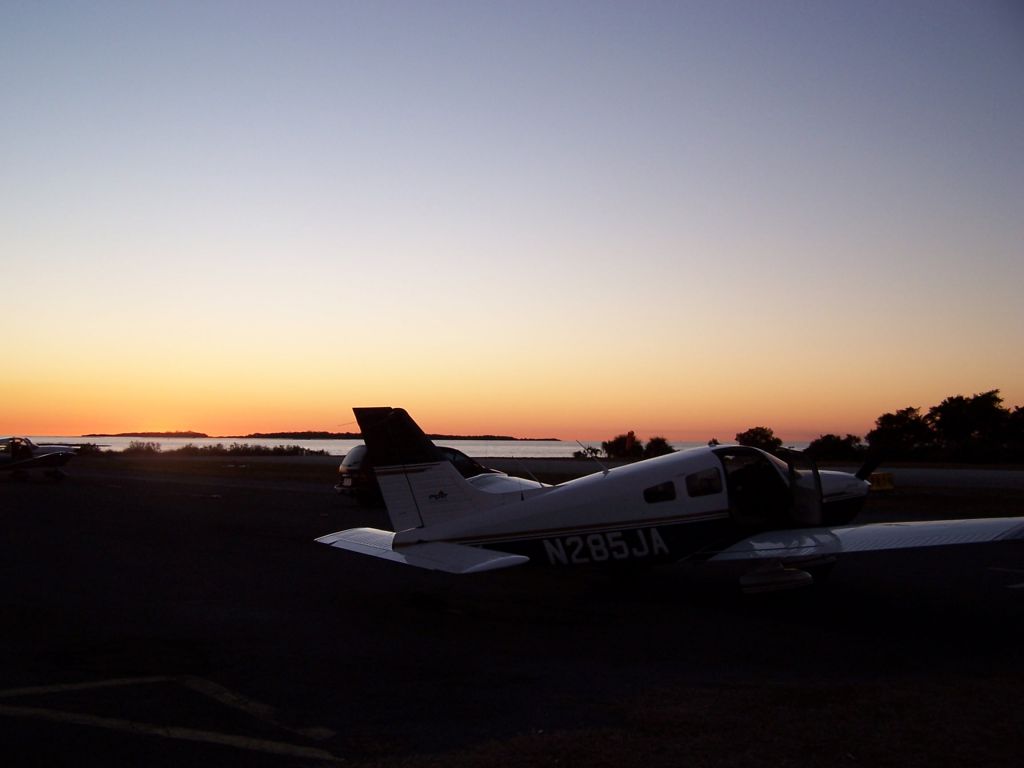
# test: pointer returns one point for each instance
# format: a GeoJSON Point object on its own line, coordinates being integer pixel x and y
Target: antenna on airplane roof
{"type": "Point", "coordinates": [526, 469]}
{"type": "Point", "coordinates": [522, 492]}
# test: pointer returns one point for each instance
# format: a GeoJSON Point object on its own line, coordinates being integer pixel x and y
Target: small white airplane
{"type": "Point", "coordinates": [713, 504]}
{"type": "Point", "coordinates": [18, 455]}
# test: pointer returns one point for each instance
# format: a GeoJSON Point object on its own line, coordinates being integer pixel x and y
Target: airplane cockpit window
{"type": "Point", "coordinates": [21, 448]}
{"type": "Point", "coordinates": [662, 492]}
{"type": "Point", "coordinates": [704, 483]}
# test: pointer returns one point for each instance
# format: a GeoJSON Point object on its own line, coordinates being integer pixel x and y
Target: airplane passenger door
{"type": "Point", "coordinates": [759, 496]}
{"type": "Point", "coordinates": [805, 488]}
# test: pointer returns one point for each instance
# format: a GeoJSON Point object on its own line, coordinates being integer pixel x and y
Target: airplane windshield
{"type": "Point", "coordinates": [739, 457]}
{"type": "Point", "coordinates": [780, 465]}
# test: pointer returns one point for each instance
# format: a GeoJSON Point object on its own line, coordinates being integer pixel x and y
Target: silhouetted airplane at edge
{"type": "Point", "coordinates": [712, 504]}
{"type": "Point", "coordinates": [19, 455]}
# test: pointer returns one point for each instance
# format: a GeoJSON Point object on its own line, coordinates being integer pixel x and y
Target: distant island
{"type": "Point", "coordinates": [147, 434]}
{"type": "Point", "coordinates": [359, 436]}
{"type": "Point", "coordinates": [495, 437]}
{"type": "Point", "coordinates": [307, 435]}
{"type": "Point", "coordinates": [312, 435]}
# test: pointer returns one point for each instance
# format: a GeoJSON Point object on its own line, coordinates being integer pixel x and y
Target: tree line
{"type": "Point", "coordinates": [977, 429]}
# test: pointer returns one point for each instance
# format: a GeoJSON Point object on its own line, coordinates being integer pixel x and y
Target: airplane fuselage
{"type": "Point", "coordinates": [668, 508]}
{"type": "Point", "coordinates": [725, 504]}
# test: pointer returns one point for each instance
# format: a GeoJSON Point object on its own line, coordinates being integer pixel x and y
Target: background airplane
{"type": "Point", "coordinates": [19, 455]}
{"type": "Point", "coordinates": [711, 504]}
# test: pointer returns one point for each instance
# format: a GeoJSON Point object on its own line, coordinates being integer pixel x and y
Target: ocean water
{"type": "Point", "coordinates": [525, 449]}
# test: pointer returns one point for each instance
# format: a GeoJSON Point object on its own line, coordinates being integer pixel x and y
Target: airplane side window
{"type": "Point", "coordinates": [707, 482]}
{"type": "Point", "coordinates": [662, 492]}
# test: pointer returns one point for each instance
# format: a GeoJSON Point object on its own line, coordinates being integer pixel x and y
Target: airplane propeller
{"type": "Point", "coordinates": [870, 465]}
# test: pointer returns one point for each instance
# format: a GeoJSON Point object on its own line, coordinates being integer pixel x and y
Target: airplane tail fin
{"type": "Point", "coordinates": [419, 487]}
{"type": "Point", "coordinates": [393, 438]}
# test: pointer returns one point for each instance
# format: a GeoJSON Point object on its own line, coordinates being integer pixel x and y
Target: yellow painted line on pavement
{"type": "Point", "coordinates": [219, 693]}
{"type": "Point", "coordinates": [65, 687]}
{"type": "Point", "coordinates": [255, 709]}
{"type": "Point", "coordinates": [170, 732]}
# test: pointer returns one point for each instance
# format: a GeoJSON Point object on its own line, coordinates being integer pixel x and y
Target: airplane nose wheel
{"type": "Point", "coordinates": [778, 577]}
{"type": "Point", "coordinates": [774, 577]}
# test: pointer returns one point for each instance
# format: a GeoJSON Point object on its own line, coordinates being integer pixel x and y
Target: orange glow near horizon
{"type": "Point", "coordinates": [685, 379]}
{"type": "Point", "coordinates": [280, 375]}
{"type": "Point", "coordinates": [684, 413]}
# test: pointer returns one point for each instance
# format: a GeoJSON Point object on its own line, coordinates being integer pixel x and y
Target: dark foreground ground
{"type": "Point", "coordinates": [173, 614]}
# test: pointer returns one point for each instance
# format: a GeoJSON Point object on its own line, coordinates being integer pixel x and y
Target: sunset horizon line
{"type": "Point", "coordinates": [722, 435]}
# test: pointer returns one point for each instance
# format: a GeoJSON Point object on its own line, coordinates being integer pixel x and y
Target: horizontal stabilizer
{"type": "Point", "coordinates": [812, 542]}
{"type": "Point", "coordinates": [433, 555]}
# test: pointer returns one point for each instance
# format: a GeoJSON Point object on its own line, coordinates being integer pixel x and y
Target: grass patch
{"type": "Point", "coordinates": [148, 448]}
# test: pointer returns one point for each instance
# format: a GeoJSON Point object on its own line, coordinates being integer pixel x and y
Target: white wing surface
{"type": "Point", "coordinates": [435, 556]}
{"type": "Point", "coordinates": [809, 542]}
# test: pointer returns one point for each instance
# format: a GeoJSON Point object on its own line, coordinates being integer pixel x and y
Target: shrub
{"type": "Point", "coordinates": [657, 446]}
{"type": "Point", "coordinates": [623, 447]}
{"type": "Point", "coordinates": [835, 448]}
{"type": "Point", "coordinates": [760, 437]}
{"type": "Point", "coordinates": [142, 447]}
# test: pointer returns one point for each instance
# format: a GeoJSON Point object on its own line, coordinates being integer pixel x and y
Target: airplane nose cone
{"type": "Point", "coordinates": [842, 484]}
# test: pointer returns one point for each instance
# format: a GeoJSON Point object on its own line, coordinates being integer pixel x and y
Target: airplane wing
{"type": "Point", "coordinates": [813, 542]}
{"type": "Point", "coordinates": [434, 555]}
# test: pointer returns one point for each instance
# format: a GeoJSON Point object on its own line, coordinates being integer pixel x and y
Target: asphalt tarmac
{"type": "Point", "coordinates": [167, 615]}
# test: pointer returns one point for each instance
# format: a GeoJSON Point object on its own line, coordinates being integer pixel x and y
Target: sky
{"type": "Point", "coordinates": [564, 219]}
